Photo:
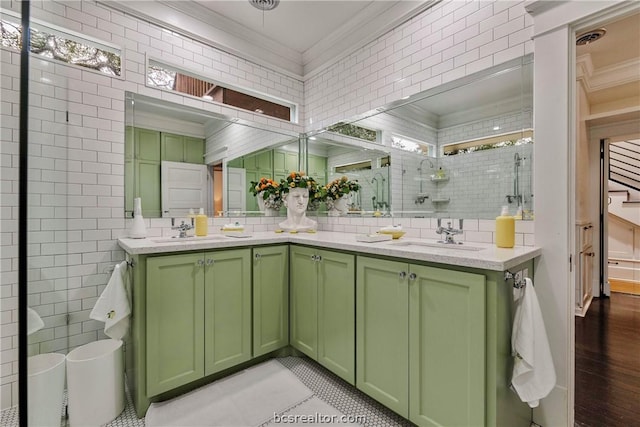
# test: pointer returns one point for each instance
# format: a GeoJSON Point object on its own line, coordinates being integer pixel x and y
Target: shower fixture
{"type": "Point", "coordinates": [426, 159]}
{"type": "Point", "coordinates": [517, 162]}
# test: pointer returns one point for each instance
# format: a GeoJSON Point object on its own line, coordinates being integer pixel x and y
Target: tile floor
{"type": "Point", "coordinates": [324, 384]}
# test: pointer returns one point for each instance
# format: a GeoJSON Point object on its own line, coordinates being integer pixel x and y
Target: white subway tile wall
{"type": "Point", "coordinates": [77, 167]}
{"type": "Point", "coordinates": [451, 40]}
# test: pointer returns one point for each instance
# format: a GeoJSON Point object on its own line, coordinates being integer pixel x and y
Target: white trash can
{"type": "Point", "coordinates": [45, 389]}
{"type": "Point", "coordinates": [95, 383]}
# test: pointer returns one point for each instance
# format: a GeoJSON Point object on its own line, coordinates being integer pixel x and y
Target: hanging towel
{"type": "Point", "coordinates": [34, 322]}
{"type": "Point", "coordinates": [533, 373]}
{"type": "Point", "coordinates": [113, 307]}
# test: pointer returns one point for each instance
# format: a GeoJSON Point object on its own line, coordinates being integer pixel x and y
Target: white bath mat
{"type": "Point", "coordinates": [248, 398]}
{"type": "Point", "coordinates": [313, 412]}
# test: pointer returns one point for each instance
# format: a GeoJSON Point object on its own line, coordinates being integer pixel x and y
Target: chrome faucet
{"type": "Point", "coordinates": [449, 232]}
{"type": "Point", "coordinates": [183, 227]}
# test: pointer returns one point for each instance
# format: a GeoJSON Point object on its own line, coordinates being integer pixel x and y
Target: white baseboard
{"type": "Point", "coordinates": [553, 411]}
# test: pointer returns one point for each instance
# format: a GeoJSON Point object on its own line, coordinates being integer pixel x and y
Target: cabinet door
{"type": "Point", "coordinates": [285, 161]}
{"type": "Point", "coordinates": [227, 309]}
{"type": "Point", "coordinates": [264, 162]}
{"type": "Point", "coordinates": [193, 150]}
{"type": "Point", "coordinates": [172, 147]}
{"type": "Point", "coordinates": [382, 330]}
{"type": "Point", "coordinates": [147, 171]}
{"type": "Point", "coordinates": [336, 313]}
{"type": "Point", "coordinates": [304, 300]}
{"type": "Point", "coordinates": [447, 347]}
{"type": "Point", "coordinates": [270, 299]}
{"type": "Point", "coordinates": [318, 168]}
{"type": "Point", "coordinates": [175, 327]}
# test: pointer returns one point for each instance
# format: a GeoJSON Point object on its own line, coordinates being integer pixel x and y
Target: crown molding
{"type": "Point", "coordinates": [167, 15]}
{"type": "Point", "coordinates": [375, 20]}
{"type": "Point", "coordinates": [605, 77]}
{"type": "Point", "coordinates": [195, 21]}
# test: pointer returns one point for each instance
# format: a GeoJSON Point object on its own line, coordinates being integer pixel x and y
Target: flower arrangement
{"type": "Point", "coordinates": [300, 180]}
{"type": "Point", "coordinates": [339, 187]}
{"type": "Point", "coordinates": [269, 190]}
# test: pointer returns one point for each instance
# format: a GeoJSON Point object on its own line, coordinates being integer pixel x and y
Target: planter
{"type": "Point", "coordinates": [260, 201]}
{"type": "Point", "coordinates": [268, 207]}
{"type": "Point", "coordinates": [338, 207]}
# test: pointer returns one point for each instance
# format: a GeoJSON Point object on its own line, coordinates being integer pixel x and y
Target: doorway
{"type": "Point", "coordinates": [607, 112]}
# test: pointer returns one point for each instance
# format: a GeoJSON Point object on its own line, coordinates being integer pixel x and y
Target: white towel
{"type": "Point", "coordinates": [34, 322]}
{"type": "Point", "coordinates": [113, 307]}
{"type": "Point", "coordinates": [533, 373]}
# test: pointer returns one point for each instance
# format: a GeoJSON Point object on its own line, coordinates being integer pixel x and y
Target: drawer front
{"type": "Point", "coordinates": [624, 270]}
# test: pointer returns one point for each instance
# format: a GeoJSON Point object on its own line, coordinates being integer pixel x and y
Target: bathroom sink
{"type": "Point", "coordinates": [190, 239]}
{"type": "Point", "coordinates": [457, 247]}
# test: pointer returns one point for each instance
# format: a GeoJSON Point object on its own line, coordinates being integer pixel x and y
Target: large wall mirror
{"type": "Point", "coordinates": [460, 150]}
{"type": "Point", "coordinates": [175, 158]}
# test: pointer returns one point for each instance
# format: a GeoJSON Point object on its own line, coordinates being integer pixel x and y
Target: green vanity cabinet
{"type": "Point", "coordinates": [303, 292]}
{"type": "Point", "coordinates": [322, 308]}
{"type": "Point", "coordinates": [198, 316]}
{"type": "Point", "coordinates": [227, 309]}
{"type": "Point", "coordinates": [175, 326]}
{"type": "Point", "coordinates": [270, 299]}
{"type": "Point", "coordinates": [421, 341]}
{"type": "Point", "coordinates": [446, 347]}
{"type": "Point", "coordinates": [382, 298]}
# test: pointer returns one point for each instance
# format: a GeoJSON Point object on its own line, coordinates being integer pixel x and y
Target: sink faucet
{"type": "Point", "coordinates": [448, 232]}
{"type": "Point", "coordinates": [183, 227]}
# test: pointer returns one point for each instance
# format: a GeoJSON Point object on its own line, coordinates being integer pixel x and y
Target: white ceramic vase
{"type": "Point", "coordinates": [271, 212]}
{"type": "Point", "coordinates": [260, 200]}
{"type": "Point", "coordinates": [339, 206]}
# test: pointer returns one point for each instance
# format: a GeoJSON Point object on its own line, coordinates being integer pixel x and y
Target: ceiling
{"type": "Point", "coordinates": [298, 25]}
{"type": "Point", "coordinates": [298, 37]}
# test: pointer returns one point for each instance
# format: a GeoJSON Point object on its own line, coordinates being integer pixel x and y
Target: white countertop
{"type": "Point", "coordinates": [483, 256]}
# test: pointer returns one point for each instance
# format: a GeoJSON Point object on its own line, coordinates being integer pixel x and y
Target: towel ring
{"type": "Point", "coordinates": [110, 268]}
{"type": "Point", "coordinates": [518, 284]}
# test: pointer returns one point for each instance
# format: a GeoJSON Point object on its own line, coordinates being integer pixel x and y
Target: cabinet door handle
{"type": "Point", "coordinates": [412, 276]}
{"type": "Point", "coordinates": [314, 257]}
{"type": "Point", "coordinates": [257, 256]}
{"type": "Point", "coordinates": [590, 253]}
{"type": "Point", "coordinates": [200, 262]}
{"type": "Point", "coordinates": [210, 261]}
{"type": "Point", "coordinates": [402, 274]}
{"type": "Point", "coordinates": [613, 263]}
{"type": "Point", "coordinates": [318, 258]}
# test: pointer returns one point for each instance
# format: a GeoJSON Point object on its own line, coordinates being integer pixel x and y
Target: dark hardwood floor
{"type": "Point", "coordinates": [608, 363]}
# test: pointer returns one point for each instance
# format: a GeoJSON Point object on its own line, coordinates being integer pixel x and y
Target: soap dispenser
{"type": "Point", "coordinates": [202, 226]}
{"type": "Point", "coordinates": [505, 229]}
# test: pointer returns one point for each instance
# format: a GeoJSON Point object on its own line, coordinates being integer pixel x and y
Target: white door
{"type": "Point", "coordinates": [236, 189]}
{"type": "Point", "coordinates": [184, 187]}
